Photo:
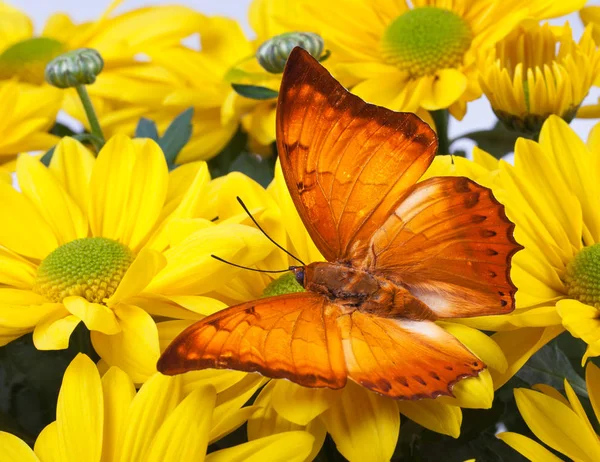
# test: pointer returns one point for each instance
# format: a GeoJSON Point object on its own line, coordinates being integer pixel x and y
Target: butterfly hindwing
{"type": "Point", "coordinates": [404, 359]}
{"type": "Point", "coordinates": [290, 336]}
{"type": "Point", "coordinates": [346, 163]}
{"type": "Point", "coordinates": [450, 244]}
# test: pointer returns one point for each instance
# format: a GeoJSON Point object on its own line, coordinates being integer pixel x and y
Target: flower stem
{"type": "Point", "coordinates": [91, 115]}
{"type": "Point", "coordinates": [441, 118]}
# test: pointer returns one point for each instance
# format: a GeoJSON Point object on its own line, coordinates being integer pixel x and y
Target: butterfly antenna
{"type": "Point", "coordinates": [247, 268]}
{"type": "Point", "coordinates": [263, 231]}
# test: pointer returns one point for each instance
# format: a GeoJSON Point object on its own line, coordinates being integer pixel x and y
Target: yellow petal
{"type": "Point", "coordinates": [592, 379]}
{"type": "Point", "coordinates": [557, 425]}
{"type": "Point", "coordinates": [191, 269]}
{"type": "Point", "coordinates": [72, 165]}
{"type": "Point", "coordinates": [16, 271]}
{"type": "Point", "coordinates": [193, 416]}
{"type": "Point", "coordinates": [364, 425]}
{"type": "Point", "coordinates": [479, 343]}
{"type": "Point", "coordinates": [230, 422]}
{"type": "Point", "coordinates": [149, 409]}
{"type": "Point", "coordinates": [580, 320]}
{"type": "Point", "coordinates": [300, 404]}
{"type": "Point", "coordinates": [53, 333]}
{"type": "Point", "coordinates": [576, 405]}
{"type": "Point", "coordinates": [95, 316]}
{"type": "Point", "coordinates": [46, 445]}
{"type": "Point", "coordinates": [531, 449]}
{"type": "Point", "coordinates": [282, 447]}
{"type": "Point", "coordinates": [128, 189]}
{"type": "Point", "coordinates": [24, 230]}
{"type": "Point", "coordinates": [54, 203]}
{"type": "Point", "coordinates": [15, 449]}
{"type": "Point", "coordinates": [146, 265]}
{"type": "Point", "coordinates": [135, 349]}
{"type": "Point", "coordinates": [518, 346]}
{"type": "Point", "coordinates": [119, 392]}
{"type": "Point", "coordinates": [473, 393]}
{"type": "Point", "coordinates": [551, 392]}
{"type": "Point", "coordinates": [447, 88]}
{"type": "Point", "coordinates": [80, 411]}
{"type": "Point", "coordinates": [433, 415]}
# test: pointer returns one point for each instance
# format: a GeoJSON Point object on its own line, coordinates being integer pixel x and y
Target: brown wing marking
{"type": "Point", "coordinates": [346, 163]}
{"type": "Point", "coordinates": [450, 243]}
{"type": "Point", "coordinates": [292, 336]}
{"type": "Point", "coordinates": [404, 359]}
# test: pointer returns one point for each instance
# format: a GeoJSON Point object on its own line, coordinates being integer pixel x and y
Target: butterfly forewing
{"type": "Point", "coordinates": [291, 336]}
{"type": "Point", "coordinates": [347, 163]}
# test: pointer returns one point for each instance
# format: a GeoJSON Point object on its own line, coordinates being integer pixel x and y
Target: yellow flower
{"type": "Point", "coordinates": [551, 195]}
{"type": "Point", "coordinates": [130, 86]}
{"type": "Point", "coordinates": [558, 422]}
{"type": "Point", "coordinates": [591, 15]}
{"type": "Point", "coordinates": [419, 54]}
{"type": "Point", "coordinates": [105, 241]}
{"type": "Point", "coordinates": [28, 112]}
{"type": "Point", "coordinates": [535, 72]}
{"type": "Point", "coordinates": [364, 425]}
{"type": "Point", "coordinates": [105, 419]}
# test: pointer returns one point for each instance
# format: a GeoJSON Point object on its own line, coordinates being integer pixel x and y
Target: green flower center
{"type": "Point", "coordinates": [583, 276]}
{"type": "Point", "coordinates": [424, 40]}
{"type": "Point", "coordinates": [27, 59]}
{"type": "Point", "coordinates": [91, 268]}
{"type": "Point", "coordinates": [285, 284]}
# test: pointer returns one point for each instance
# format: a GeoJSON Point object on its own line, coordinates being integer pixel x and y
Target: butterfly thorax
{"type": "Point", "coordinates": [354, 288]}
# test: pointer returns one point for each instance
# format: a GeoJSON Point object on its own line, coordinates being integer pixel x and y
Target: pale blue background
{"type": "Point", "coordinates": [479, 115]}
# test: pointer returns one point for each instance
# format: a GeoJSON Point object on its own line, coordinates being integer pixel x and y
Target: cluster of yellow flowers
{"type": "Point", "coordinates": [148, 231]}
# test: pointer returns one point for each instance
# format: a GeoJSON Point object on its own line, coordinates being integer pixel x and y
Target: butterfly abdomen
{"type": "Point", "coordinates": [362, 290]}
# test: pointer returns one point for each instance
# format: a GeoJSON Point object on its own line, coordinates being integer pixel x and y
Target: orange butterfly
{"type": "Point", "coordinates": [400, 254]}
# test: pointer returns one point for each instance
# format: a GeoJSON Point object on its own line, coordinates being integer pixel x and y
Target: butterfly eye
{"type": "Point", "coordinates": [299, 273]}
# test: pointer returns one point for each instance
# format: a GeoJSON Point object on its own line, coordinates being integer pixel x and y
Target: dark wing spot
{"type": "Point", "coordinates": [419, 379]}
{"type": "Point", "coordinates": [449, 368]}
{"type": "Point", "coordinates": [492, 274]}
{"type": "Point", "coordinates": [462, 186]}
{"type": "Point", "coordinates": [478, 218]}
{"type": "Point", "coordinates": [503, 303]}
{"type": "Point", "coordinates": [471, 200]}
{"type": "Point", "coordinates": [434, 376]}
{"type": "Point", "coordinates": [501, 293]}
{"type": "Point", "coordinates": [488, 233]}
{"type": "Point", "coordinates": [402, 381]}
{"type": "Point", "coordinates": [491, 252]}
{"type": "Point", "coordinates": [383, 384]}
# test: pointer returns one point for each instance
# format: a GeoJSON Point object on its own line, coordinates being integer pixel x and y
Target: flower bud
{"type": "Point", "coordinates": [273, 54]}
{"type": "Point", "coordinates": [74, 68]}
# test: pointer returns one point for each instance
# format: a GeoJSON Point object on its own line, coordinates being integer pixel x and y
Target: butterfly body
{"type": "Point", "coordinates": [400, 254]}
{"type": "Point", "coordinates": [355, 288]}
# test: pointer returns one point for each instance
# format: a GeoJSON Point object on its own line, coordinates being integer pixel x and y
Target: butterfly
{"type": "Point", "coordinates": [400, 254]}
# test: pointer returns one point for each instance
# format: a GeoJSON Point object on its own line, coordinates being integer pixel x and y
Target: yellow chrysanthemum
{"type": "Point", "coordinates": [591, 15]}
{"type": "Point", "coordinates": [111, 242]}
{"type": "Point", "coordinates": [364, 425]}
{"type": "Point", "coordinates": [105, 419]}
{"type": "Point", "coordinates": [551, 195]}
{"type": "Point", "coordinates": [560, 423]}
{"type": "Point", "coordinates": [535, 72]}
{"type": "Point", "coordinates": [419, 54]}
{"type": "Point", "coordinates": [130, 86]}
{"type": "Point", "coordinates": [28, 112]}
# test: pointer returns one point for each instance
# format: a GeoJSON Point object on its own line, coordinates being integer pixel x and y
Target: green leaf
{"type": "Point", "coordinates": [220, 164]}
{"type": "Point", "coordinates": [259, 169]}
{"type": "Point", "coordinates": [177, 135]}
{"type": "Point", "coordinates": [325, 56]}
{"type": "Point", "coordinates": [146, 128]}
{"type": "Point", "coordinates": [61, 130]}
{"type": "Point", "coordinates": [550, 365]}
{"type": "Point", "coordinates": [47, 157]}
{"type": "Point", "coordinates": [254, 91]}
{"type": "Point", "coordinates": [30, 380]}
{"type": "Point", "coordinates": [498, 141]}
